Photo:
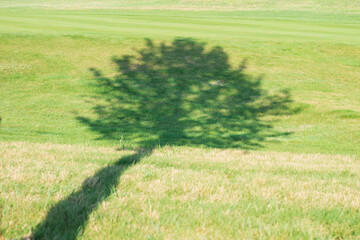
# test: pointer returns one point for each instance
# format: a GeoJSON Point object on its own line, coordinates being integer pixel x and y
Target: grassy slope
{"type": "Point", "coordinates": [45, 54]}
{"type": "Point", "coordinates": [317, 58]}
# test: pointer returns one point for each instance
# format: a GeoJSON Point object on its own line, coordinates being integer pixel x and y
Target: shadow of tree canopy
{"type": "Point", "coordinates": [180, 93]}
{"type": "Point", "coordinates": [184, 93]}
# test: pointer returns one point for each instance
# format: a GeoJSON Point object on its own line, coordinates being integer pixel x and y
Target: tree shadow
{"type": "Point", "coordinates": [67, 219]}
{"type": "Point", "coordinates": [182, 94]}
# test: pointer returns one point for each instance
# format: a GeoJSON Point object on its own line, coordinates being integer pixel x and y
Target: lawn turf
{"type": "Point", "coordinates": [313, 51]}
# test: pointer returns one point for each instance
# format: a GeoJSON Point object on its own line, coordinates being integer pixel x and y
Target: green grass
{"type": "Point", "coordinates": [316, 58]}
{"type": "Point", "coordinates": [301, 184]}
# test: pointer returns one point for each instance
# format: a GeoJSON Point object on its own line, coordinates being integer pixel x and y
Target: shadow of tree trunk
{"type": "Point", "coordinates": [67, 219]}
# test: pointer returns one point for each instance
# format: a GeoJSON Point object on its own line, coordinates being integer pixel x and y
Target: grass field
{"type": "Point", "coordinates": [81, 159]}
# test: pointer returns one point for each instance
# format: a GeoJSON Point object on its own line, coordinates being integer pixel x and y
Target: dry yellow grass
{"type": "Point", "coordinates": [178, 182]}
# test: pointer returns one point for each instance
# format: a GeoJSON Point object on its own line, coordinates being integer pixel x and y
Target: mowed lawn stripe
{"type": "Point", "coordinates": [123, 25]}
